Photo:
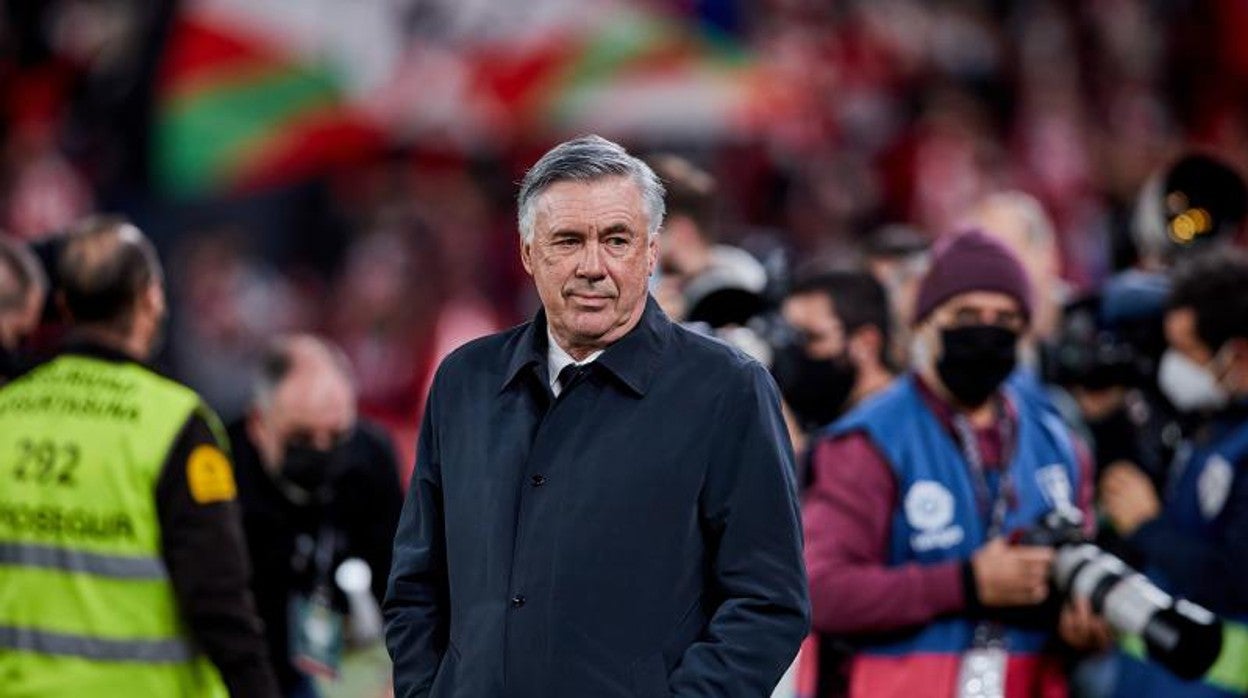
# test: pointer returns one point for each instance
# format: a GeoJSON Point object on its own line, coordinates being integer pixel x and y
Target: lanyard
{"type": "Point", "coordinates": [988, 634]}
{"type": "Point", "coordinates": [318, 554]}
{"type": "Point", "coordinates": [991, 509]}
{"type": "Point", "coordinates": [326, 543]}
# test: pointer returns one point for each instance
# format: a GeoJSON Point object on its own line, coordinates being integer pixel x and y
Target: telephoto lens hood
{"type": "Point", "coordinates": [1184, 638]}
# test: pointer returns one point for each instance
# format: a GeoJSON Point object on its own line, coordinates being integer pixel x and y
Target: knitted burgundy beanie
{"type": "Point", "coordinates": [971, 261]}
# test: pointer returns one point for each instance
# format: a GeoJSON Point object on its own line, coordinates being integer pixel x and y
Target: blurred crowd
{"type": "Point", "coordinates": [894, 111]}
{"type": "Point", "coordinates": [1103, 143]}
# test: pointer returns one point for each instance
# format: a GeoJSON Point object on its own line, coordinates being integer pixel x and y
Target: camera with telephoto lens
{"type": "Point", "coordinates": [1179, 635]}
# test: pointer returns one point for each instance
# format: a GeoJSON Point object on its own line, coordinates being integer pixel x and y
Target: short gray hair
{"type": "Point", "coordinates": [586, 159]}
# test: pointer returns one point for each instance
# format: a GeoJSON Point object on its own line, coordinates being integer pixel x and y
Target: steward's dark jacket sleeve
{"type": "Point", "coordinates": [757, 579]}
{"type": "Point", "coordinates": [416, 606]}
{"type": "Point", "coordinates": [205, 553]}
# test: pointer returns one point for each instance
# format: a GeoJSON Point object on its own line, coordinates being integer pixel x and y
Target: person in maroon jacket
{"type": "Point", "coordinates": [859, 586]}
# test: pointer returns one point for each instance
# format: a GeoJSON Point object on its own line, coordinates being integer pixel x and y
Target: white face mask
{"type": "Point", "coordinates": [920, 352]}
{"type": "Point", "coordinates": [1190, 386]}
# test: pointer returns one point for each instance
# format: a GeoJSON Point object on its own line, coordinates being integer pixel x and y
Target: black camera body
{"type": "Point", "coordinates": [1181, 636]}
{"type": "Point", "coordinates": [1113, 338]}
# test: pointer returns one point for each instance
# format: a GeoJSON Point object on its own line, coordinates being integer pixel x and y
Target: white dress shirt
{"type": "Point", "coordinates": [557, 359]}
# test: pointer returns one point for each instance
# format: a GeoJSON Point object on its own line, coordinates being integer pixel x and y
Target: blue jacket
{"type": "Point", "coordinates": [1195, 549]}
{"type": "Point", "coordinates": [637, 536]}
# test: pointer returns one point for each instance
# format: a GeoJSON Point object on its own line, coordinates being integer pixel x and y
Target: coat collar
{"type": "Point", "coordinates": [633, 360]}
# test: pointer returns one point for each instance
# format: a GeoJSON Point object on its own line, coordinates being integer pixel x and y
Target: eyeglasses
{"type": "Point", "coordinates": [969, 316]}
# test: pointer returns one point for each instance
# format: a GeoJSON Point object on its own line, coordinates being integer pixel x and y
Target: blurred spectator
{"type": "Point", "coordinates": [1019, 222]}
{"type": "Point", "coordinates": [229, 302]}
{"type": "Point", "coordinates": [23, 288]}
{"type": "Point", "coordinates": [844, 116]}
{"type": "Point", "coordinates": [916, 492]}
{"type": "Point", "coordinates": [319, 488]}
{"type": "Point", "coordinates": [692, 266]}
{"type": "Point", "coordinates": [898, 256]}
{"type": "Point", "coordinates": [840, 354]}
{"type": "Point", "coordinates": [384, 311]}
{"type": "Point", "coordinates": [1192, 540]}
{"type": "Point", "coordinates": [814, 120]}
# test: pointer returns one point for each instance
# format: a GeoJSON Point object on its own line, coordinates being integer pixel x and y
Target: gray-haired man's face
{"type": "Point", "coordinates": [591, 258]}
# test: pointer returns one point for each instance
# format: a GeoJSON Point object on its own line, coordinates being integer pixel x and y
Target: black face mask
{"type": "Point", "coordinates": [975, 361]}
{"type": "Point", "coordinates": [815, 389]}
{"type": "Point", "coordinates": [308, 469]}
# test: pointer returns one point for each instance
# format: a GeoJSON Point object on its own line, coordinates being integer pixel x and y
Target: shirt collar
{"type": "Point", "coordinates": [633, 359]}
{"type": "Point", "coordinates": [557, 359]}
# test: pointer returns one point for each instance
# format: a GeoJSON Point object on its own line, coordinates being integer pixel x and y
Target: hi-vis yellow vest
{"type": "Point", "coordinates": [86, 605]}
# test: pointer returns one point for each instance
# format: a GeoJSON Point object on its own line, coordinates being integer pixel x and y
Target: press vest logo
{"type": "Point", "coordinates": [1055, 485]}
{"type": "Point", "coordinates": [929, 508]}
{"type": "Point", "coordinates": [1214, 486]}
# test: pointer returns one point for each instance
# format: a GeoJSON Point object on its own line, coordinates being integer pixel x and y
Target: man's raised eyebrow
{"type": "Point", "coordinates": [616, 228]}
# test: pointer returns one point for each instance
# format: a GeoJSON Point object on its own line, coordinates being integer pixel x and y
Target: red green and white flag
{"type": "Point", "coordinates": [241, 107]}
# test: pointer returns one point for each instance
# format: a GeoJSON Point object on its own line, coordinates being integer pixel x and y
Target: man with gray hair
{"type": "Point", "coordinates": [603, 502]}
{"type": "Point", "coordinates": [23, 286]}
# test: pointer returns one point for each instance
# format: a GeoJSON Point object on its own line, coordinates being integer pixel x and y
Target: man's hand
{"type": "Point", "coordinates": [1082, 629]}
{"type": "Point", "coordinates": [1128, 497]}
{"type": "Point", "coordinates": [1011, 575]}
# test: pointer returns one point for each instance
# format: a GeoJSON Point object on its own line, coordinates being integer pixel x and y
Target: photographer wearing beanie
{"type": "Point", "coordinates": [917, 492]}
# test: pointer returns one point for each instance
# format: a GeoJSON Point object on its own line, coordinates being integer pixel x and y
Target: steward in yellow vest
{"type": "Point", "coordinates": [122, 565]}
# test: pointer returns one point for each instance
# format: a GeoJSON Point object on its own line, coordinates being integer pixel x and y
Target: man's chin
{"type": "Point", "coordinates": [589, 333]}
{"type": "Point", "coordinates": [591, 328]}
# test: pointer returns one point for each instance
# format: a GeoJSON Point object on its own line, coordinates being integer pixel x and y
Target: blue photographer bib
{"type": "Point", "coordinates": [938, 518]}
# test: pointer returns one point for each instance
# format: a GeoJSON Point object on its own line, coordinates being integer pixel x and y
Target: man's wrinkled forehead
{"type": "Point", "coordinates": [611, 201]}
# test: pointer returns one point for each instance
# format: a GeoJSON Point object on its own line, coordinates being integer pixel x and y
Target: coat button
{"type": "Point", "coordinates": [537, 480]}
{"type": "Point", "coordinates": [518, 600]}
